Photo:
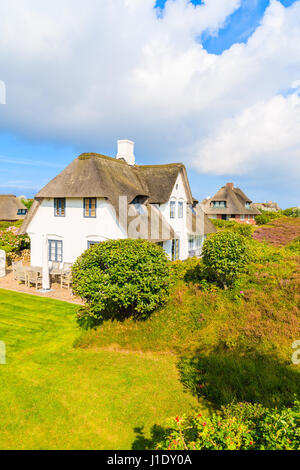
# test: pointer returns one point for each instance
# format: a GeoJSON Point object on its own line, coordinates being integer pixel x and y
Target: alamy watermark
{"type": "Point", "coordinates": [2, 92]}
{"type": "Point", "coordinates": [296, 354]}
{"type": "Point", "coordinates": [2, 353]}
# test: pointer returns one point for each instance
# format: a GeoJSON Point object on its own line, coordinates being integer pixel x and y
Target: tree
{"type": "Point", "coordinates": [121, 278]}
{"type": "Point", "coordinates": [225, 256]}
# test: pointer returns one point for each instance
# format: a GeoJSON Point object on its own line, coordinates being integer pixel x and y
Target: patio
{"type": "Point", "coordinates": [9, 283]}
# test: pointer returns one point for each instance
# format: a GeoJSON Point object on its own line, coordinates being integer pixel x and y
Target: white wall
{"type": "Point", "coordinates": [74, 229]}
{"type": "Point", "coordinates": [179, 225]}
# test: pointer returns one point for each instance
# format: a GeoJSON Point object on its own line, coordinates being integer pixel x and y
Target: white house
{"type": "Point", "coordinates": [97, 198]}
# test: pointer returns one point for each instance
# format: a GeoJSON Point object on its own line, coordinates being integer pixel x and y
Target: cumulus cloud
{"type": "Point", "coordinates": [267, 133]}
{"type": "Point", "coordinates": [91, 72]}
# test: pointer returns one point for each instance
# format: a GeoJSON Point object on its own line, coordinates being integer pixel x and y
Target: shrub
{"type": "Point", "coordinates": [121, 278]}
{"type": "Point", "coordinates": [225, 256]}
{"type": "Point", "coordinates": [239, 427]}
{"type": "Point", "coordinates": [9, 238]}
{"type": "Point", "coordinates": [243, 229]}
{"type": "Point", "coordinates": [263, 219]}
{"type": "Point", "coordinates": [292, 212]}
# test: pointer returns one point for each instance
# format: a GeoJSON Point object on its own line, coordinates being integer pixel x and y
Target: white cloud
{"type": "Point", "coordinates": [91, 72]}
{"type": "Point", "coordinates": [266, 134]}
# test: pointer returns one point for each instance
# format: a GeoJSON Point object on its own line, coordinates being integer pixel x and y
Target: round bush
{"type": "Point", "coordinates": [121, 278]}
{"type": "Point", "coordinates": [225, 256]}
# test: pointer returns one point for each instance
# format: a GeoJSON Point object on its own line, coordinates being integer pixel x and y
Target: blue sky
{"type": "Point", "coordinates": [35, 143]}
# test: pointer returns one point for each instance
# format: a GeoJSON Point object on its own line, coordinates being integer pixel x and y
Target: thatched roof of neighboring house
{"type": "Point", "coordinates": [9, 207]}
{"type": "Point", "coordinates": [235, 199]}
{"type": "Point", "coordinates": [266, 206]}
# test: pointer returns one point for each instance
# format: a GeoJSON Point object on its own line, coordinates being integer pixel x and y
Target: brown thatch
{"type": "Point", "coordinates": [267, 206]}
{"type": "Point", "coordinates": [94, 175]}
{"type": "Point", "coordinates": [235, 202]}
{"type": "Point", "coordinates": [9, 207]}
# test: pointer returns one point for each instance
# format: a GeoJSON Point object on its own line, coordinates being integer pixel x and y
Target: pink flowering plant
{"type": "Point", "coordinates": [241, 426]}
{"type": "Point", "coordinates": [10, 241]}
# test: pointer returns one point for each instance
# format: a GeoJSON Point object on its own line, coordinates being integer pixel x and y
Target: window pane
{"type": "Point", "coordinates": [180, 210]}
{"type": "Point", "coordinates": [172, 209]}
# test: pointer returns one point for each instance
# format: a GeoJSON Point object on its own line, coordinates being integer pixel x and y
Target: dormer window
{"type": "Point", "coordinates": [90, 206]}
{"type": "Point", "coordinates": [219, 204]}
{"type": "Point", "coordinates": [59, 207]}
{"type": "Point", "coordinates": [248, 205]}
{"type": "Point", "coordinates": [172, 209]}
{"type": "Point", "coordinates": [22, 211]}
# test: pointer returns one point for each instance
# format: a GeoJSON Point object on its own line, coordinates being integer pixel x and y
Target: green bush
{"type": "Point", "coordinates": [219, 223]}
{"type": "Point", "coordinates": [263, 219]}
{"type": "Point", "coordinates": [243, 229]}
{"type": "Point", "coordinates": [240, 426]}
{"type": "Point", "coordinates": [292, 212]}
{"type": "Point", "coordinates": [120, 278]}
{"type": "Point", "coordinates": [179, 269]}
{"type": "Point", "coordinates": [225, 257]}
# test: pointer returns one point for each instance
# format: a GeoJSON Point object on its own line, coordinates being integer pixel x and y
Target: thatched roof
{"type": "Point", "coordinates": [235, 202]}
{"type": "Point", "coordinates": [94, 175]}
{"type": "Point", "coordinates": [267, 206]}
{"type": "Point", "coordinates": [9, 207]}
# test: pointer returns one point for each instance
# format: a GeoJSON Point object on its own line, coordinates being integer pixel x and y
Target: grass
{"type": "Point", "coordinates": [54, 396]}
{"type": "Point", "coordinates": [247, 331]}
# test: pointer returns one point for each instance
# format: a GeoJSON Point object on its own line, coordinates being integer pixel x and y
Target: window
{"type": "Point", "coordinates": [55, 250]}
{"type": "Point", "coordinates": [180, 210]}
{"type": "Point", "coordinates": [60, 207]}
{"type": "Point", "coordinates": [22, 211]}
{"type": "Point", "coordinates": [92, 244]}
{"type": "Point", "coordinates": [248, 205]}
{"type": "Point", "coordinates": [172, 209]}
{"type": "Point", "coordinates": [242, 217]}
{"type": "Point", "coordinates": [90, 205]}
{"type": "Point", "coordinates": [175, 249]}
{"type": "Point", "coordinates": [191, 243]}
{"type": "Point", "coordinates": [220, 204]}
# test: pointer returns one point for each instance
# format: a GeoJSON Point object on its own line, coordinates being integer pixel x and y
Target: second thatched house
{"type": "Point", "coordinates": [97, 198]}
{"type": "Point", "coordinates": [230, 203]}
{"type": "Point", "coordinates": [11, 208]}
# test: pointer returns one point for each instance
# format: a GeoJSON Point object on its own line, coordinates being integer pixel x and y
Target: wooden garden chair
{"type": "Point", "coordinates": [66, 280]}
{"type": "Point", "coordinates": [35, 278]}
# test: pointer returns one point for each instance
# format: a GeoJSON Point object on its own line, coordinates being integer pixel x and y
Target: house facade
{"type": "Point", "coordinates": [230, 203]}
{"type": "Point", "coordinates": [98, 198]}
{"type": "Point", "coordinates": [11, 208]}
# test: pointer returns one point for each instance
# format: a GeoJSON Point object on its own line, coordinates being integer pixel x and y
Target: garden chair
{"type": "Point", "coordinates": [67, 267]}
{"type": "Point", "coordinates": [15, 265]}
{"type": "Point", "coordinates": [66, 280]}
{"type": "Point", "coordinates": [55, 270]}
{"type": "Point", "coordinates": [20, 275]}
{"type": "Point", "coordinates": [34, 278]}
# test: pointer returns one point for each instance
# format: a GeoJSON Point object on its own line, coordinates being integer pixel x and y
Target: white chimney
{"type": "Point", "coordinates": [126, 151]}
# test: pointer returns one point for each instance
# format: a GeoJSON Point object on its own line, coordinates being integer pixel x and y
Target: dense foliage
{"type": "Point", "coordinates": [10, 241]}
{"type": "Point", "coordinates": [121, 278]}
{"type": "Point", "coordinates": [225, 256]}
{"type": "Point", "coordinates": [266, 216]}
{"type": "Point", "coordinates": [239, 427]}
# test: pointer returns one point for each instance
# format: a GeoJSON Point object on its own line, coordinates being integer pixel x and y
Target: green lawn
{"type": "Point", "coordinates": [54, 396]}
